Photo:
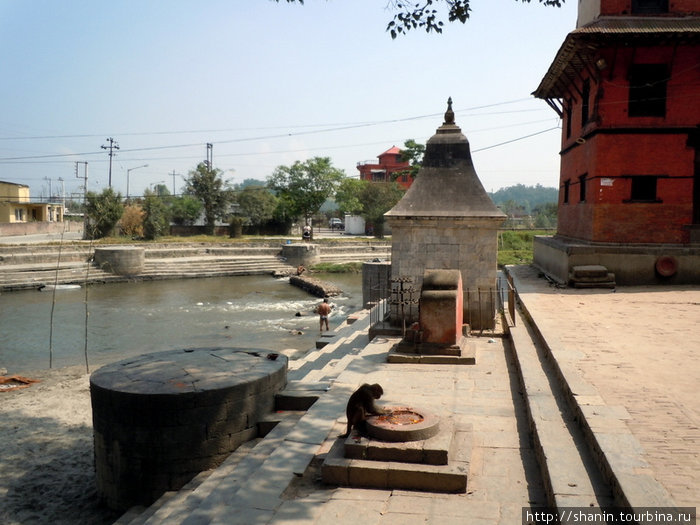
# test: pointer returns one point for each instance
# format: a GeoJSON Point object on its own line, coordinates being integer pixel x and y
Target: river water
{"type": "Point", "coordinates": [126, 319]}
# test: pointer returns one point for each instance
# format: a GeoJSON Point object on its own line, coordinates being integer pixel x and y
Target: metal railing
{"type": "Point", "coordinates": [397, 301]}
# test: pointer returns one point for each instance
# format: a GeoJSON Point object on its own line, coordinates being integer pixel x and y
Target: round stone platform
{"type": "Point", "coordinates": [403, 424]}
{"type": "Point", "coordinates": [160, 419]}
{"type": "Point", "coordinates": [121, 260]}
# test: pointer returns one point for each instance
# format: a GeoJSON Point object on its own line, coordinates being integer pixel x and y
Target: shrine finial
{"type": "Point", "coordinates": [449, 114]}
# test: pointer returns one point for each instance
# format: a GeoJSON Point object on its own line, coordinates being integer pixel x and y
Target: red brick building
{"type": "Point", "coordinates": [626, 83]}
{"type": "Point", "coordinates": [389, 165]}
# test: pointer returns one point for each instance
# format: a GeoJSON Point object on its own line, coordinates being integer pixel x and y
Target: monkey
{"type": "Point", "coordinates": [361, 404]}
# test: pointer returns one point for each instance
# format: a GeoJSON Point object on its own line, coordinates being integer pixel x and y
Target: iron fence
{"type": "Point", "coordinates": [397, 301]}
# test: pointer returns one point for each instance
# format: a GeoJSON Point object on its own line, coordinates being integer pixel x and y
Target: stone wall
{"type": "Point", "coordinates": [469, 245]}
{"type": "Point", "coordinates": [9, 229]}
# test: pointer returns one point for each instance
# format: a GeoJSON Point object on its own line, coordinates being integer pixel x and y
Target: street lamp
{"type": "Point", "coordinates": [127, 178]}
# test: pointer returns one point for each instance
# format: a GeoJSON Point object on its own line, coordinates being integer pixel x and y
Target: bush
{"type": "Point", "coordinates": [516, 247]}
{"type": "Point", "coordinates": [103, 212]}
{"type": "Point", "coordinates": [157, 219]}
{"type": "Point", "coordinates": [131, 223]}
{"type": "Point", "coordinates": [235, 227]}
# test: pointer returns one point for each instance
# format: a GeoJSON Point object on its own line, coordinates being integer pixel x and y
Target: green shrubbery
{"type": "Point", "coordinates": [515, 246]}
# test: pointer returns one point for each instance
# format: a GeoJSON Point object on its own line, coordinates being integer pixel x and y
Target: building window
{"type": "Point", "coordinates": [567, 183]}
{"type": "Point", "coordinates": [643, 188]}
{"type": "Point", "coordinates": [19, 214]}
{"type": "Point", "coordinates": [648, 90]}
{"type": "Point", "coordinates": [568, 118]}
{"type": "Point", "coordinates": [649, 7]}
{"type": "Point", "coordinates": [582, 188]}
{"type": "Point", "coordinates": [585, 95]}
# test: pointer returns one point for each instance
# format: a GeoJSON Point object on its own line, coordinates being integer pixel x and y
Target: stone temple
{"type": "Point", "coordinates": [446, 220]}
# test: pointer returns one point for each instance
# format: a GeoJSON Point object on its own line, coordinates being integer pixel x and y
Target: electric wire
{"type": "Point", "coordinates": [53, 297]}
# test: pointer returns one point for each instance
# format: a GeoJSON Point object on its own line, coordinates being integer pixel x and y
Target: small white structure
{"type": "Point", "coordinates": [354, 225]}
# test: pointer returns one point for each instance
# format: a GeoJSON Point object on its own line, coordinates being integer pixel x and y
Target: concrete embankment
{"type": "Point", "coordinates": [31, 266]}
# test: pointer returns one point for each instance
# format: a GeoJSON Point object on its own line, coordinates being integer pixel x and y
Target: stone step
{"type": "Point", "coordinates": [300, 395]}
{"type": "Point", "coordinates": [591, 270]}
{"type": "Point", "coordinates": [218, 490]}
{"type": "Point", "coordinates": [248, 489]}
{"type": "Point", "coordinates": [230, 475]}
{"type": "Point", "coordinates": [327, 363]}
{"type": "Point", "coordinates": [392, 474]}
{"type": "Point", "coordinates": [569, 473]}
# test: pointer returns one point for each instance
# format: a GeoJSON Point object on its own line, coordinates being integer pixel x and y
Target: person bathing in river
{"type": "Point", "coordinates": [323, 310]}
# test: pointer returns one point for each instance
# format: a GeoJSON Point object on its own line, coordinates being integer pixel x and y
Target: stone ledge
{"type": "Point", "coordinates": [338, 470]}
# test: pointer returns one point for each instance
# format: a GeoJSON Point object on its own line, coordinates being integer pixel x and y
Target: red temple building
{"type": "Point", "coordinates": [626, 83]}
{"type": "Point", "coordinates": [390, 166]}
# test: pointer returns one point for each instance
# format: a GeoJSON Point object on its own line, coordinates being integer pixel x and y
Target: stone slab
{"type": "Point", "coordinates": [466, 356]}
{"type": "Point", "coordinates": [338, 470]}
{"type": "Point", "coordinates": [432, 451]}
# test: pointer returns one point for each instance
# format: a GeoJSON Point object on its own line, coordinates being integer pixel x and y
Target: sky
{"type": "Point", "coordinates": [267, 84]}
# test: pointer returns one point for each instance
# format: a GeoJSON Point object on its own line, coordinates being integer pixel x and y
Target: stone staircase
{"type": "Point", "coordinates": [27, 267]}
{"type": "Point", "coordinates": [250, 482]}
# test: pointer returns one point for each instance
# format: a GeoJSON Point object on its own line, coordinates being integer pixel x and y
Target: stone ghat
{"type": "Point", "coordinates": [26, 267]}
{"type": "Point", "coordinates": [315, 286]}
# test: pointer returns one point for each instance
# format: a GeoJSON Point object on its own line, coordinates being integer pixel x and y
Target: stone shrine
{"type": "Point", "coordinates": [447, 221]}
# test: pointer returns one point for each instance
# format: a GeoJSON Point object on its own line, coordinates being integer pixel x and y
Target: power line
{"type": "Point", "coordinates": [334, 125]}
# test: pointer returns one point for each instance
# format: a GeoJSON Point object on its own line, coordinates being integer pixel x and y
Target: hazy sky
{"type": "Point", "coordinates": [267, 84]}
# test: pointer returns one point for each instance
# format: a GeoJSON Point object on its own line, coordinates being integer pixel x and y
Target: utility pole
{"type": "Point", "coordinates": [112, 146]}
{"type": "Point", "coordinates": [48, 179]}
{"type": "Point", "coordinates": [63, 194]}
{"type": "Point", "coordinates": [85, 191]}
{"type": "Point", "coordinates": [173, 175]}
{"type": "Point", "coordinates": [210, 155]}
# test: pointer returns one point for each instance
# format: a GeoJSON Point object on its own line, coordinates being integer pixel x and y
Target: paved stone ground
{"type": "Point", "coordinates": [640, 348]}
{"type": "Point", "coordinates": [504, 475]}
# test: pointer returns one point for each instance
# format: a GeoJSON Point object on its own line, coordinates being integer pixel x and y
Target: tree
{"type": "Point", "coordinates": [257, 204]}
{"type": "Point", "coordinates": [249, 182]}
{"type": "Point", "coordinates": [347, 195]}
{"type": "Point", "coordinates": [424, 15]}
{"type": "Point", "coordinates": [103, 211]}
{"type": "Point", "coordinates": [545, 215]}
{"type": "Point", "coordinates": [185, 209]}
{"type": "Point", "coordinates": [525, 196]}
{"type": "Point", "coordinates": [207, 185]}
{"type": "Point", "coordinates": [412, 153]}
{"type": "Point", "coordinates": [305, 186]}
{"type": "Point", "coordinates": [377, 199]}
{"type": "Point", "coordinates": [156, 220]}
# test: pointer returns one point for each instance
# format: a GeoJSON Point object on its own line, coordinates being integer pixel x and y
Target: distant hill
{"type": "Point", "coordinates": [526, 196]}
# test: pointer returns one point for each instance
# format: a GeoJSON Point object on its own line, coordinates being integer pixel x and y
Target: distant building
{"type": "Point", "coordinates": [389, 166]}
{"type": "Point", "coordinates": [626, 84]}
{"type": "Point", "coordinates": [16, 206]}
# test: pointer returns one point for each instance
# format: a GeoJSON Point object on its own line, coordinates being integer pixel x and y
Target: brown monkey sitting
{"type": "Point", "coordinates": [361, 404]}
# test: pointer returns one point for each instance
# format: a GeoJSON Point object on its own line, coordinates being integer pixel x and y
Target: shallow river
{"type": "Point", "coordinates": [126, 319]}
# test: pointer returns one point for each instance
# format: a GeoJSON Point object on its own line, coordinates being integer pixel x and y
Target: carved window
{"type": "Point", "coordinates": [567, 184]}
{"type": "Point", "coordinates": [582, 187]}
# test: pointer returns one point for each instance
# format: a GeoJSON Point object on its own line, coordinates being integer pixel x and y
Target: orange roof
{"type": "Point", "coordinates": [392, 151]}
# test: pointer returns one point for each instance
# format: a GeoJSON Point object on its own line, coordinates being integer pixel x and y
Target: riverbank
{"type": "Point", "coordinates": [33, 266]}
{"type": "Point", "coordinates": [47, 459]}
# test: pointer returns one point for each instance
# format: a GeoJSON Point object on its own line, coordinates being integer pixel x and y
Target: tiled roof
{"type": "Point", "coordinates": [392, 151]}
{"type": "Point", "coordinates": [581, 45]}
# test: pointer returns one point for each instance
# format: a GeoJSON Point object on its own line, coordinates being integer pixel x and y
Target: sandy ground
{"type": "Point", "coordinates": [46, 452]}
